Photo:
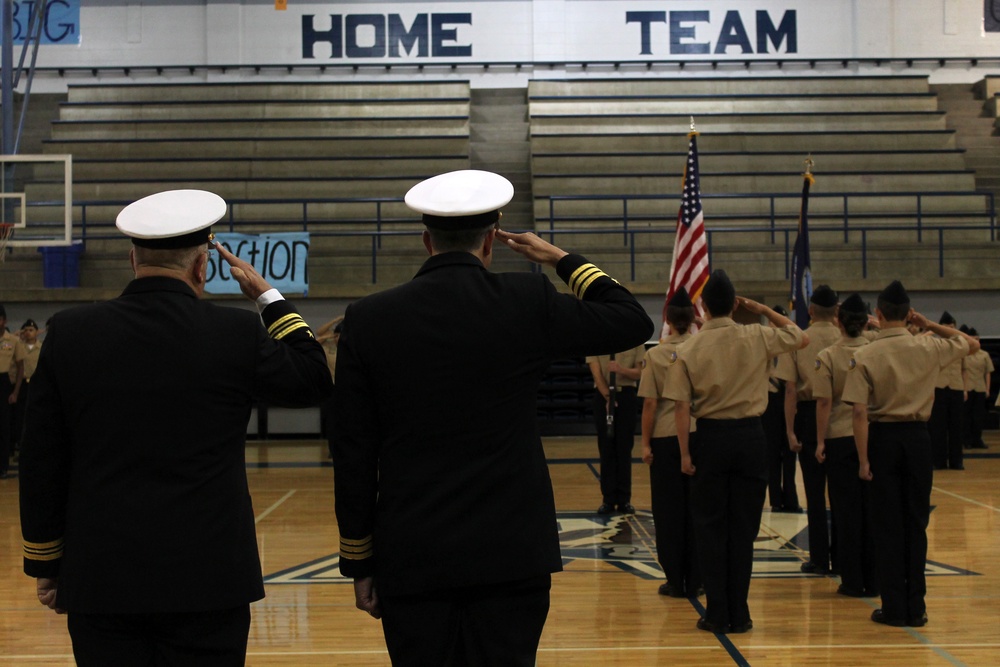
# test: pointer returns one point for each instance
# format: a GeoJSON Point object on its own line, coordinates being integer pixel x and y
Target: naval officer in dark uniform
{"type": "Point", "coordinates": [135, 511]}
{"type": "Point", "coordinates": [720, 377]}
{"type": "Point", "coordinates": [444, 502]}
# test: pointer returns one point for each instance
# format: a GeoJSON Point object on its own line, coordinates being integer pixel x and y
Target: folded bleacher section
{"type": "Point", "coordinates": [274, 151]}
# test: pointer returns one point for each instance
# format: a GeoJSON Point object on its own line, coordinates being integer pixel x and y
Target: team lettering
{"type": "Point", "coordinates": [682, 32]}
{"type": "Point", "coordinates": [387, 35]}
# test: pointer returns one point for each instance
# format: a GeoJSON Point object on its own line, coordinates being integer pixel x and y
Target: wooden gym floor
{"type": "Point", "coordinates": [605, 608]}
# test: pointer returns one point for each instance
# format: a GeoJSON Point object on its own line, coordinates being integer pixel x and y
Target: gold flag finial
{"type": "Point", "coordinates": [809, 163]}
{"type": "Point", "coordinates": [692, 124]}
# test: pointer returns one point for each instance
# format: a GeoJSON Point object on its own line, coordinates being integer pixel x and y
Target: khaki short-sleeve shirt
{"type": "Point", "coordinates": [12, 350]}
{"type": "Point", "coordinates": [723, 370]}
{"type": "Point", "coordinates": [655, 367]}
{"type": "Point", "coordinates": [627, 359]}
{"type": "Point", "coordinates": [977, 366]}
{"type": "Point", "coordinates": [951, 377]}
{"type": "Point", "coordinates": [832, 365]}
{"type": "Point", "coordinates": [782, 367]}
{"type": "Point", "coordinates": [821, 336]}
{"type": "Point", "coordinates": [31, 358]}
{"type": "Point", "coordinates": [895, 374]}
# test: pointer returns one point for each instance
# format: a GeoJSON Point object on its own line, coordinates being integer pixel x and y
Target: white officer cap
{"type": "Point", "coordinates": [172, 219]}
{"type": "Point", "coordinates": [465, 199]}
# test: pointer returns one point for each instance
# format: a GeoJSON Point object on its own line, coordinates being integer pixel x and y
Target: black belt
{"type": "Point", "coordinates": [704, 422]}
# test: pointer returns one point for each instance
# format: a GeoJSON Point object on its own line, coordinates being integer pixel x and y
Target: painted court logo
{"type": "Point", "coordinates": [628, 543]}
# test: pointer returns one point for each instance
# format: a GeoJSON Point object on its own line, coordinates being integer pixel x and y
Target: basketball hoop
{"type": "Point", "coordinates": [6, 231]}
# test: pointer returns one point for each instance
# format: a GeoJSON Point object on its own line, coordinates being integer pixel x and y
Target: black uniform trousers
{"type": "Point", "coordinates": [780, 458]}
{"type": "Point", "coordinates": [6, 421]}
{"type": "Point", "coordinates": [850, 503]}
{"type": "Point", "coordinates": [728, 494]}
{"type": "Point", "coordinates": [902, 474]}
{"type": "Point", "coordinates": [945, 427]}
{"type": "Point", "coordinates": [19, 410]}
{"type": "Point", "coordinates": [814, 481]}
{"type": "Point", "coordinates": [975, 410]}
{"type": "Point", "coordinates": [494, 624]}
{"type": "Point", "coordinates": [673, 519]}
{"type": "Point", "coordinates": [195, 639]}
{"type": "Point", "coordinates": [616, 451]}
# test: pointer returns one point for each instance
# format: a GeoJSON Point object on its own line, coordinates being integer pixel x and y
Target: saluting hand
{"type": "Point", "coordinates": [252, 284]}
{"type": "Point", "coordinates": [532, 247]}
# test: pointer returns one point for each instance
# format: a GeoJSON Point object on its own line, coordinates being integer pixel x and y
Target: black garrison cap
{"type": "Point", "coordinates": [895, 294]}
{"type": "Point", "coordinates": [824, 296]}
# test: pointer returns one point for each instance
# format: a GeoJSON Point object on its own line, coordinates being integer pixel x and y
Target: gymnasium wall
{"type": "Point", "coordinates": [548, 38]}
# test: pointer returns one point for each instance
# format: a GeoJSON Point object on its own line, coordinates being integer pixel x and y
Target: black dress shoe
{"type": "Point", "coordinates": [879, 617]}
{"type": "Point", "coordinates": [670, 591]}
{"type": "Point", "coordinates": [958, 467]}
{"type": "Point", "coordinates": [740, 628]}
{"type": "Point", "coordinates": [626, 508]}
{"type": "Point", "coordinates": [918, 622]}
{"type": "Point", "coordinates": [698, 591]}
{"type": "Point", "coordinates": [810, 567]}
{"type": "Point", "coordinates": [605, 508]}
{"type": "Point", "coordinates": [708, 626]}
{"type": "Point", "coordinates": [849, 592]}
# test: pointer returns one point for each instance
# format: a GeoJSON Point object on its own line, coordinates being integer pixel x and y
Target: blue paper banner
{"type": "Point", "coordinates": [60, 23]}
{"type": "Point", "coordinates": [280, 258]}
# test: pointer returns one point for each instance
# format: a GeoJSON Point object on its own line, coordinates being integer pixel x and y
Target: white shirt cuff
{"type": "Point", "coordinates": [267, 298]}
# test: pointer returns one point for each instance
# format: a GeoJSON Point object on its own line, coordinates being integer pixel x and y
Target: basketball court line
{"type": "Point", "coordinates": [964, 499]}
{"type": "Point", "coordinates": [273, 507]}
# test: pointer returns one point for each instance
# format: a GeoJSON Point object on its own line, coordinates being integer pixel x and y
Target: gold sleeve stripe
{"type": "Point", "coordinates": [583, 289]}
{"type": "Point", "coordinates": [282, 321]}
{"type": "Point", "coordinates": [289, 329]}
{"type": "Point", "coordinates": [43, 551]}
{"type": "Point", "coordinates": [355, 543]}
{"type": "Point", "coordinates": [580, 275]}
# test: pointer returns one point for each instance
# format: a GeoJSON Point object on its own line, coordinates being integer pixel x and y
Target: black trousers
{"type": "Point", "coordinates": [945, 428]}
{"type": "Point", "coordinates": [198, 639]}
{"type": "Point", "coordinates": [673, 519]}
{"type": "Point", "coordinates": [850, 504]}
{"type": "Point", "coordinates": [780, 458]}
{"type": "Point", "coordinates": [814, 481]}
{"type": "Point", "coordinates": [20, 409]}
{"type": "Point", "coordinates": [6, 421]}
{"type": "Point", "coordinates": [728, 495]}
{"type": "Point", "coordinates": [975, 410]}
{"type": "Point", "coordinates": [616, 451]}
{"type": "Point", "coordinates": [497, 624]}
{"type": "Point", "coordinates": [902, 475]}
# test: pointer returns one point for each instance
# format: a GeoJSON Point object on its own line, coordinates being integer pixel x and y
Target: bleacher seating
{"type": "Point", "coordinates": [882, 136]}
{"type": "Point", "coordinates": [272, 142]}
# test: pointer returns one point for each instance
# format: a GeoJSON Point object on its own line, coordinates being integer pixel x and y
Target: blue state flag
{"type": "Point", "coordinates": [280, 258]}
{"type": "Point", "coordinates": [801, 275]}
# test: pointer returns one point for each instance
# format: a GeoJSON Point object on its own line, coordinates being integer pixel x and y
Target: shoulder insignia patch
{"type": "Point", "coordinates": [673, 357]}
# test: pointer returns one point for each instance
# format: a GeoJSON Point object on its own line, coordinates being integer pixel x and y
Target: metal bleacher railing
{"type": "Point", "coordinates": [775, 226]}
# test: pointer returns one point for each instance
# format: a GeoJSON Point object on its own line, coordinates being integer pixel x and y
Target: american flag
{"type": "Point", "coordinates": [689, 264]}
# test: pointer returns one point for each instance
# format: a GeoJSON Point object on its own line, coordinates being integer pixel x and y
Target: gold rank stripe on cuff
{"type": "Point", "coordinates": [285, 325]}
{"type": "Point", "coordinates": [356, 549]}
{"type": "Point", "coordinates": [583, 277]}
{"type": "Point", "coordinates": [43, 550]}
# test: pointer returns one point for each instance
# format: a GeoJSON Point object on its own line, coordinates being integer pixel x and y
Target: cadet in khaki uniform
{"type": "Point", "coordinates": [720, 377]}
{"type": "Point", "coordinates": [891, 388]}
{"type": "Point", "coordinates": [12, 355]}
{"type": "Point", "coordinates": [948, 413]}
{"type": "Point", "coordinates": [32, 348]}
{"type": "Point", "coordinates": [800, 417]}
{"type": "Point", "coordinates": [668, 486]}
{"type": "Point", "coordinates": [781, 456]}
{"type": "Point", "coordinates": [837, 453]}
{"type": "Point", "coordinates": [615, 447]}
{"type": "Point", "coordinates": [978, 369]}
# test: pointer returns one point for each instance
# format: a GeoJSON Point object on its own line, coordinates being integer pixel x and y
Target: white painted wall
{"type": "Point", "coordinates": [161, 33]}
